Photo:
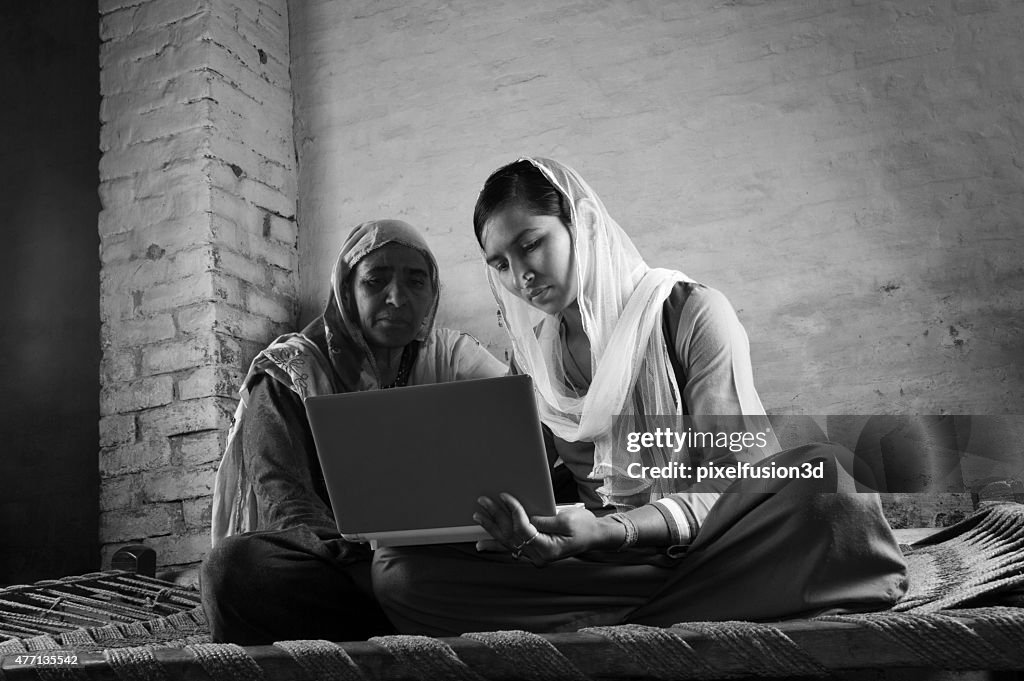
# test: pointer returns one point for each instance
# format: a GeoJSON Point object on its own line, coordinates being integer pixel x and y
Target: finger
{"type": "Point", "coordinates": [503, 518]}
{"type": "Point", "coordinates": [497, 515]}
{"type": "Point", "coordinates": [491, 509]}
{"type": "Point", "coordinates": [487, 504]}
{"type": "Point", "coordinates": [482, 515]}
{"type": "Point", "coordinates": [485, 521]}
{"type": "Point", "coordinates": [484, 509]}
{"type": "Point", "coordinates": [490, 545]}
{"type": "Point", "coordinates": [516, 512]}
{"type": "Point", "coordinates": [495, 507]}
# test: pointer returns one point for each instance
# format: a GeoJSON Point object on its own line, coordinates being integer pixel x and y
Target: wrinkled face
{"type": "Point", "coordinates": [392, 292]}
{"type": "Point", "coordinates": [533, 257]}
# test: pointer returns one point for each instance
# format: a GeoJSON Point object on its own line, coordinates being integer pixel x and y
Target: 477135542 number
{"type": "Point", "coordinates": [41, 659]}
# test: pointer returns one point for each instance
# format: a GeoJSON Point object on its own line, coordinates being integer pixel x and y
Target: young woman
{"type": "Point", "coordinates": [279, 569]}
{"type": "Point", "coordinates": [616, 347]}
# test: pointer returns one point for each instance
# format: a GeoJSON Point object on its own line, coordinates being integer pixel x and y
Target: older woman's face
{"type": "Point", "coordinates": [393, 292]}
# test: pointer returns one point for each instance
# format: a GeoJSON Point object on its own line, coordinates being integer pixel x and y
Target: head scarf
{"type": "Point", "coordinates": [296, 360]}
{"type": "Point", "coordinates": [349, 353]}
{"type": "Point", "coordinates": [621, 301]}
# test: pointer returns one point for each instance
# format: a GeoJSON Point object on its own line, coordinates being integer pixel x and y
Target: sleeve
{"type": "Point", "coordinates": [472, 360]}
{"type": "Point", "coordinates": [711, 344]}
{"type": "Point", "coordinates": [712, 347]}
{"type": "Point", "coordinates": [281, 462]}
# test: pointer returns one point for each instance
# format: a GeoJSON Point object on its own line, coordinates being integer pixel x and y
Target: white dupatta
{"type": "Point", "coordinates": [621, 302]}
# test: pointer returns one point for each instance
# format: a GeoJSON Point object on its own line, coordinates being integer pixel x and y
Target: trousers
{"type": "Point", "coordinates": [261, 587]}
{"type": "Point", "coordinates": [769, 549]}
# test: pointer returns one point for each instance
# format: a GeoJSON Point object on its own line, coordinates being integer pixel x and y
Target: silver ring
{"type": "Point", "coordinates": [518, 549]}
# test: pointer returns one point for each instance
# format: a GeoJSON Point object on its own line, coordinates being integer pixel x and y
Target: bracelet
{"type": "Point", "coordinates": [632, 534]}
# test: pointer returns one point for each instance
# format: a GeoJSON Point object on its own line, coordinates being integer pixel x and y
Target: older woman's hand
{"type": "Point", "coordinates": [544, 539]}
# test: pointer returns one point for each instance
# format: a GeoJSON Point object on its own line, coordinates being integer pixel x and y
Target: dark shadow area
{"type": "Point", "coordinates": [49, 482]}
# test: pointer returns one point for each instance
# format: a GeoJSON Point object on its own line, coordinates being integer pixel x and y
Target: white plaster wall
{"type": "Point", "coordinates": [849, 174]}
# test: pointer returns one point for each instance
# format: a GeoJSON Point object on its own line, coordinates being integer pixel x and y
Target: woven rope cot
{"type": "Point", "coordinates": [954, 617]}
{"type": "Point", "coordinates": [91, 601]}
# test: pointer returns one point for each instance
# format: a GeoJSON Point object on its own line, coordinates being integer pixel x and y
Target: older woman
{"type": "Point", "coordinates": [289, 575]}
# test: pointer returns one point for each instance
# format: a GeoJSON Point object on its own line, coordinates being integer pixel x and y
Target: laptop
{"type": "Point", "coordinates": [405, 466]}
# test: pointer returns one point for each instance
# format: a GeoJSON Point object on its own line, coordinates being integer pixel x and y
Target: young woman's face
{"type": "Point", "coordinates": [533, 257]}
{"type": "Point", "coordinates": [392, 292]}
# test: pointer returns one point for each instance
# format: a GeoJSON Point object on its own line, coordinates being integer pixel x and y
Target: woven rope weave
{"type": "Point", "coordinates": [91, 601]}
{"type": "Point", "coordinates": [41, 643]}
{"type": "Point", "coordinates": [943, 640]}
{"type": "Point", "coordinates": [660, 653]}
{"type": "Point", "coordinates": [533, 655]}
{"type": "Point", "coordinates": [322, 660]}
{"type": "Point", "coordinates": [427, 658]}
{"type": "Point", "coordinates": [1003, 627]}
{"type": "Point", "coordinates": [226, 661]}
{"type": "Point", "coordinates": [764, 649]}
{"type": "Point", "coordinates": [983, 557]}
{"type": "Point", "coordinates": [985, 638]}
{"type": "Point", "coordinates": [135, 664]}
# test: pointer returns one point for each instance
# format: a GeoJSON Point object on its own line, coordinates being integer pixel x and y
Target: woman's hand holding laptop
{"type": "Point", "coordinates": [544, 539]}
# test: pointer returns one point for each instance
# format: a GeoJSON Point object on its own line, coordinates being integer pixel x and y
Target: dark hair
{"type": "Point", "coordinates": [520, 184]}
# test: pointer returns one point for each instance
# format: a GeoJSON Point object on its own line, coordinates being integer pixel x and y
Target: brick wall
{"type": "Point", "coordinates": [850, 174]}
{"type": "Point", "coordinates": [198, 250]}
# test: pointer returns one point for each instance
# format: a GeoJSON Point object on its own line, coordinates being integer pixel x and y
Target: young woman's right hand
{"type": "Point", "coordinates": [545, 539]}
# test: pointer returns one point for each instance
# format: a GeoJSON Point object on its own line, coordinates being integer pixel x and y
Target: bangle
{"type": "Point", "coordinates": [632, 534]}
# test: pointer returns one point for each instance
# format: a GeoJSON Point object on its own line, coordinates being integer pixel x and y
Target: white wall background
{"type": "Point", "coordinates": [850, 174]}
